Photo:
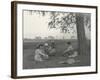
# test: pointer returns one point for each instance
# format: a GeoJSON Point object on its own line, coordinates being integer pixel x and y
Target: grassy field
{"type": "Point", "coordinates": [28, 55]}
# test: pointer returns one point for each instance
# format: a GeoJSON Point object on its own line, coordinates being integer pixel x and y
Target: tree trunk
{"type": "Point", "coordinates": [81, 33]}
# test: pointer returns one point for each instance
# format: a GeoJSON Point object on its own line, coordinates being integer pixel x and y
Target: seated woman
{"type": "Point", "coordinates": [40, 53]}
{"type": "Point", "coordinates": [70, 51]}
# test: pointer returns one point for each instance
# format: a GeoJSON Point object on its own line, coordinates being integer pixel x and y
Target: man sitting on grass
{"type": "Point", "coordinates": [50, 49]}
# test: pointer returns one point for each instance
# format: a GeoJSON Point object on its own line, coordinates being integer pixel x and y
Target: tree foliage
{"type": "Point", "coordinates": [62, 21]}
{"type": "Point", "coordinates": [65, 21]}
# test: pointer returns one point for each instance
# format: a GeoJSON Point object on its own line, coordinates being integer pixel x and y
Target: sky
{"type": "Point", "coordinates": [37, 25]}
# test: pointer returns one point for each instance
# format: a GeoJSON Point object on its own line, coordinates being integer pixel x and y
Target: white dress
{"type": "Point", "coordinates": [38, 55]}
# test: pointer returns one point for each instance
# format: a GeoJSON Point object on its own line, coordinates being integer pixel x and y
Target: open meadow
{"type": "Point", "coordinates": [29, 47]}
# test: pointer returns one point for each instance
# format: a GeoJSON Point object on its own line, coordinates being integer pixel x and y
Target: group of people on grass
{"type": "Point", "coordinates": [45, 51]}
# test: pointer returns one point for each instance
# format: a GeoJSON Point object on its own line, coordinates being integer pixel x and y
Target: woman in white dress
{"type": "Point", "coordinates": [40, 53]}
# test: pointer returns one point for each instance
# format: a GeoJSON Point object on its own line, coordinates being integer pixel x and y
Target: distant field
{"type": "Point", "coordinates": [31, 44]}
{"type": "Point", "coordinates": [28, 55]}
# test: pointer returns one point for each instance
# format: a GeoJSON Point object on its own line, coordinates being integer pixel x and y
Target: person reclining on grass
{"type": "Point", "coordinates": [70, 51]}
{"type": "Point", "coordinates": [40, 53]}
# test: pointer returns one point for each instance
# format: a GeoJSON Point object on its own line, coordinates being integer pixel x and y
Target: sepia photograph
{"type": "Point", "coordinates": [53, 39]}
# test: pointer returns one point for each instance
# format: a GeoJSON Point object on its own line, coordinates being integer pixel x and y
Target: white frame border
{"type": "Point", "coordinates": [35, 72]}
